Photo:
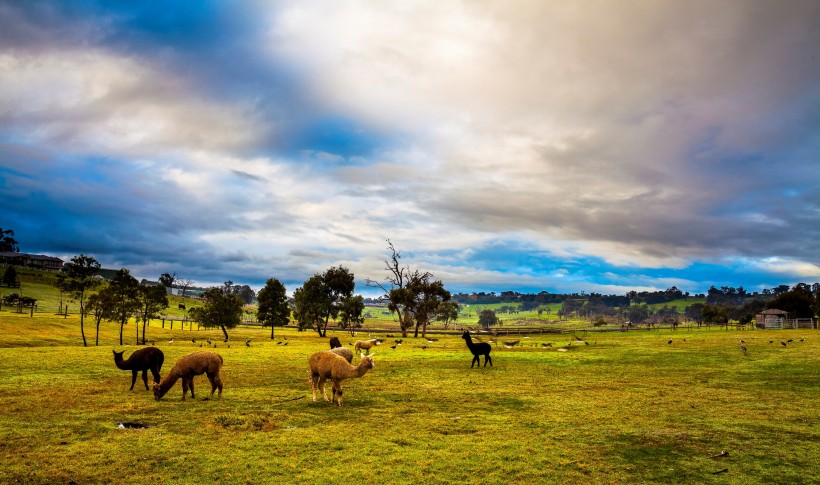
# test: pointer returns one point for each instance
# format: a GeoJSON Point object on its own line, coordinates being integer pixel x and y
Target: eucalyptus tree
{"type": "Point", "coordinates": [350, 313]}
{"type": "Point", "coordinates": [400, 298]}
{"type": "Point", "coordinates": [151, 300]}
{"type": "Point", "coordinates": [221, 307]}
{"type": "Point", "coordinates": [100, 307]}
{"type": "Point", "coordinates": [273, 306]}
{"type": "Point", "coordinates": [80, 278]}
{"type": "Point", "coordinates": [321, 297]}
{"type": "Point", "coordinates": [447, 312]}
{"type": "Point", "coordinates": [124, 298]}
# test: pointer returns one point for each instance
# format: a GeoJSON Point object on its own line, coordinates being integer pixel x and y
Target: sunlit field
{"type": "Point", "coordinates": [620, 408]}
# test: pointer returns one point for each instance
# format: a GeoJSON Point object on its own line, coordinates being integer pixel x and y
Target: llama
{"type": "Point", "coordinates": [366, 345]}
{"type": "Point", "coordinates": [478, 350]}
{"type": "Point", "coordinates": [197, 363]}
{"type": "Point", "coordinates": [324, 365]}
{"type": "Point", "coordinates": [145, 359]}
{"type": "Point", "coordinates": [335, 342]}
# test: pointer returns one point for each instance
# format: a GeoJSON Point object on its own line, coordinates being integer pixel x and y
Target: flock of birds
{"type": "Point", "coordinates": [492, 340]}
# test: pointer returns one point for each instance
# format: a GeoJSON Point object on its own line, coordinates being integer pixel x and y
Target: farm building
{"type": "Point", "coordinates": [37, 261]}
{"type": "Point", "coordinates": [771, 318]}
{"type": "Point", "coordinates": [779, 319]}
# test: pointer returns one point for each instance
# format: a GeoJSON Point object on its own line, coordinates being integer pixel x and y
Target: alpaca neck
{"type": "Point", "coordinates": [122, 364]}
{"type": "Point", "coordinates": [358, 371]}
{"type": "Point", "coordinates": [167, 383]}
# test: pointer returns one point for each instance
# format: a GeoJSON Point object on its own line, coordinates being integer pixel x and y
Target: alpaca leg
{"type": "Point", "coordinates": [145, 378]}
{"type": "Point", "coordinates": [191, 385]}
{"type": "Point", "coordinates": [476, 360]}
{"type": "Point", "coordinates": [322, 387]}
{"type": "Point", "coordinates": [155, 373]}
{"type": "Point", "coordinates": [185, 384]}
{"type": "Point", "coordinates": [337, 392]}
{"type": "Point", "coordinates": [488, 359]}
{"type": "Point", "coordinates": [133, 378]}
{"type": "Point", "coordinates": [314, 382]}
{"type": "Point", "coordinates": [216, 382]}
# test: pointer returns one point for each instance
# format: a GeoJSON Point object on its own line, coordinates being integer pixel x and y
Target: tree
{"type": "Point", "coordinates": [246, 293]}
{"type": "Point", "coordinates": [487, 318]}
{"type": "Point", "coordinates": [798, 301]}
{"type": "Point", "coordinates": [273, 306]}
{"type": "Point", "coordinates": [394, 287]}
{"type": "Point", "coordinates": [425, 296]}
{"type": "Point", "coordinates": [220, 308]}
{"type": "Point", "coordinates": [7, 242]}
{"type": "Point", "coordinates": [320, 298]}
{"type": "Point", "coordinates": [350, 313]}
{"type": "Point", "coordinates": [150, 300]}
{"type": "Point", "coordinates": [167, 280]}
{"type": "Point", "coordinates": [310, 300]}
{"type": "Point", "coordinates": [81, 271]}
{"type": "Point", "coordinates": [694, 312]}
{"type": "Point", "coordinates": [447, 312]}
{"type": "Point", "coordinates": [100, 306]}
{"type": "Point", "coordinates": [124, 300]}
{"type": "Point", "coordinates": [10, 278]}
{"type": "Point", "coordinates": [184, 284]}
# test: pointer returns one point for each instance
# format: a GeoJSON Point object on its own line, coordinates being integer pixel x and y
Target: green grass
{"type": "Point", "coordinates": [628, 408]}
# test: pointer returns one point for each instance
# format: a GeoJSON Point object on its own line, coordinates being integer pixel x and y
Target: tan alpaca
{"type": "Point", "coordinates": [195, 364]}
{"type": "Point", "coordinates": [365, 345]}
{"type": "Point", "coordinates": [327, 365]}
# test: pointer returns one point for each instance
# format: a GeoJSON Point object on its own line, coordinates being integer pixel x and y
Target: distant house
{"type": "Point", "coordinates": [771, 319]}
{"type": "Point", "coordinates": [36, 261]}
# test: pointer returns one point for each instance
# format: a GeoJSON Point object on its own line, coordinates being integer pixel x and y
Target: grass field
{"type": "Point", "coordinates": [627, 408]}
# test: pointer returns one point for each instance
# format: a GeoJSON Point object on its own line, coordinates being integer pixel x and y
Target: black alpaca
{"type": "Point", "coordinates": [478, 350]}
{"type": "Point", "coordinates": [145, 359]}
{"type": "Point", "coordinates": [335, 343]}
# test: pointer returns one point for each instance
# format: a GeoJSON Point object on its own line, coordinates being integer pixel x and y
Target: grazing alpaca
{"type": "Point", "coordinates": [198, 363]}
{"type": "Point", "coordinates": [145, 359]}
{"type": "Point", "coordinates": [478, 350]}
{"type": "Point", "coordinates": [335, 342]}
{"type": "Point", "coordinates": [365, 345]}
{"type": "Point", "coordinates": [327, 365]}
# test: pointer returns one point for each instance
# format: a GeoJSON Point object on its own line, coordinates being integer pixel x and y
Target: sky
{"type": "Point", "coordinates": [596, 146]}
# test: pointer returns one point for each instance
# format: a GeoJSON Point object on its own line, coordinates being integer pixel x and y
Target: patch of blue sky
{"type": "Point", "coordinates": [342, 140]}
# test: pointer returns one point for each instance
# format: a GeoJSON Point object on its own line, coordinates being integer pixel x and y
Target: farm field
{"type": "Point", "coordinates": [627, 408]}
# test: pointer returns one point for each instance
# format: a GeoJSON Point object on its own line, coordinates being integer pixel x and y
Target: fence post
{"type": "Point", "coordinates": [66, 312]}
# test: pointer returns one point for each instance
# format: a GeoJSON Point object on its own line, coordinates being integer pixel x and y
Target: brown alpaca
{"type": "Point", "coordinates": [335, 342]}
{"type": "Point", "coordinates": [146, 359]}
{"type": "Point", "coordinates": [198, 363]}
{"type": "Point", "coordinates": [327, 365]}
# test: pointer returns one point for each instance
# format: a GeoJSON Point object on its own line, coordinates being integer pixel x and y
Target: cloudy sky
{"type": "Point", "coordinates": [502, 145]}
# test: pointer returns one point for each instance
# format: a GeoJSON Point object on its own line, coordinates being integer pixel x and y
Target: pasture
{"type": "Point", "coordinates": [627, 408]}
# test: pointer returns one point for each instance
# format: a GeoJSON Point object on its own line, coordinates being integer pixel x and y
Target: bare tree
{"type": "Point", "coordinates": [183, 284]}
{"type": "Point", "coordinates": [395, 288]}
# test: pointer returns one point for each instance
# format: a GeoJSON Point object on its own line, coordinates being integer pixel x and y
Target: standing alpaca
{"type": "Point", "coordinates": [145, 359]}
{"type": "Point", "coordinates": [335, 342]}
{"type": "Point", "coordinates": [366, 345]}
{"type": "Point", "coordinates": [478, 350]}
{"type": "Point", "coordinates": [336, 348]}
{"type": "Point", "coordinates": [198, 363]}
{"type": "Point", "coordinates": [327, 365]}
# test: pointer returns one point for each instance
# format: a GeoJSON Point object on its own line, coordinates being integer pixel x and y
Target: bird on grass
{"type": "Point", "coordinates": [209, 341]}
{"type": "Point", "coordinates": [394, 346]}
{"type": "Point", "coordinates": [790, 340]}
{"type": "Point", "coordinates": [783, 343]}
{"type": "Point", "coordinates": [193, 340]}
{"type": "Point", "coordinates": [743, 347]}
{"type": "Point", "coordinates": [549, 344]}
{"type": "Point", "coordinates": [171, 341]}
{"type": "Point", "coordinates": [248, 343]}
{"type": "Point", "coordinates": [670, 341]}
{"type": "Point", "coordinates": [279, 343]}
{"type": "Point", "coordinates": [771, 341]}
